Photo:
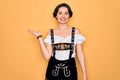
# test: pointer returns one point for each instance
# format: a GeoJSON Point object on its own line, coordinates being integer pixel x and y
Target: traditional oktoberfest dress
{"type": "Point", "coordinates": [62, 64]}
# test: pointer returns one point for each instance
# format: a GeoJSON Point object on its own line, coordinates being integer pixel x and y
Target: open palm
{"type": "Point", "coordinates": [35, 33]}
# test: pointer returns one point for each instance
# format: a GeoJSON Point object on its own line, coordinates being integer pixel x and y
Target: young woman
{"type": "Point", "coordinates": [61, 46]}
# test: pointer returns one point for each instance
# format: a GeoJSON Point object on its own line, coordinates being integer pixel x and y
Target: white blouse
{"type": "Point", "coordinates": [64, 54]}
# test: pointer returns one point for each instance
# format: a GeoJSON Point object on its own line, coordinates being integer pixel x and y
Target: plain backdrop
{"type": "Point", "coordinates": [20, 53]}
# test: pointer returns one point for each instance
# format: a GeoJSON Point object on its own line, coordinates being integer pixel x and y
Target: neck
{"type": "Point", "coordinates": [63, 26]}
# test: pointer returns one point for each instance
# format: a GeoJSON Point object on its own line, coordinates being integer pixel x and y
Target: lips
{"type": "Point", "coordinates": [62, 19]}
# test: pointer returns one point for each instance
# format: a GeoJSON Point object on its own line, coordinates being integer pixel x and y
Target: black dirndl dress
{"type": "Point", "coordinates": [65, 69]}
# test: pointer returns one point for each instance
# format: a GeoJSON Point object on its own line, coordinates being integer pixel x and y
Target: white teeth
{"type": "Point", "coordinates": [62, 19]}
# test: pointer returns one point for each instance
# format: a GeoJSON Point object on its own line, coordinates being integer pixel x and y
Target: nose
{"type": "Point", "coordinates": [63, 15]}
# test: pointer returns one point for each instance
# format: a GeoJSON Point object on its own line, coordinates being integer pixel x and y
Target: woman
{"type": "Point", "coordinates": [61, 46]}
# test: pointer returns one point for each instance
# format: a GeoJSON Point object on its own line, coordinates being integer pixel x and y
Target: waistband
{"type": "Point", "coordinates": [62, 61]}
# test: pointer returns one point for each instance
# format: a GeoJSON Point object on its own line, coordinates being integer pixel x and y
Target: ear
{"type": "Point", "coordinates": [56, 17]}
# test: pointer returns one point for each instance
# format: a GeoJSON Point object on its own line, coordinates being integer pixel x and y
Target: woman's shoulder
{"type": "Point", "coordinates": [77, 31]}
{"type": "Point", "coordinates": [49, 31]}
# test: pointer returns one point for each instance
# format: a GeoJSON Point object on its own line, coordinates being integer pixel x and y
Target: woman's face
{"type": "Point", "coordinates": [62, 15]}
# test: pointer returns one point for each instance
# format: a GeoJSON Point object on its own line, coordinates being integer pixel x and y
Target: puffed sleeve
{"type": "Point", "coordinates": [79, 38]}
{"type": "Point", "coordinates": [48, 39]}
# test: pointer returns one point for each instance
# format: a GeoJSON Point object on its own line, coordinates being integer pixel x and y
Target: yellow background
{"type": "Point", "coordinates": [20, 55]}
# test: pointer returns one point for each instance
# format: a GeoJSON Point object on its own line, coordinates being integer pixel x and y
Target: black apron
{"type": "Point", "coordinates": [65, 69]}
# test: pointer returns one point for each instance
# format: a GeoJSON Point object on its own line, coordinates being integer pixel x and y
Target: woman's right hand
{"type": "Point", "coordinates": [35, 33]}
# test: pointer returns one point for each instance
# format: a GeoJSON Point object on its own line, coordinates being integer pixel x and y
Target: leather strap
{"type": "Point", "coordinates": [72, 42]}
{"type": "Point", "coordinates": [52, 41]}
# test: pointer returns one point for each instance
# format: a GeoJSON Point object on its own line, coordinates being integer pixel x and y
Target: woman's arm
{"type": "Point", "coordinates": [81, 60]}
{"type": "Point", "coordinates": [46, 48]}
{"type": "Point", "coordinates": [81, 57]}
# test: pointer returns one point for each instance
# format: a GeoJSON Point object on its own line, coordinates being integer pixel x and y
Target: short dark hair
{"type": "Point", "coordinates": [62, 5]}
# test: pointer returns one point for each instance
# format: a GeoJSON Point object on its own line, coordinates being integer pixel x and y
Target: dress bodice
{"type": "Point", "coordinates": [64, 54]}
